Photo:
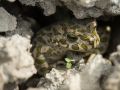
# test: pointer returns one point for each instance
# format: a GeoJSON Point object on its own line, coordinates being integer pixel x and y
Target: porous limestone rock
{"type": "Point", "coordinates": [112, 82]}
{"type": "Point", "coordinates": [49, 6]}
{"type": "Point", "coordinates": [88, 78]}
{"type": "Point", "coordinates": [80, 8]}
{"type": "Point", "coordinates": [16, 62]}
{"type": "Point", "coordinates": [7, 21]}
{"type": "Point", "coordinates": [24, 27]}
{"type": "Point", "coordinates": [96, 68]}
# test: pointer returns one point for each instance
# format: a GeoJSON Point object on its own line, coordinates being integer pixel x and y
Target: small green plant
{"type": "Point", "coordinates": [69, 63]}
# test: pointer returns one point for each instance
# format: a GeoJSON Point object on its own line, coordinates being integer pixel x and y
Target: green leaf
{"type": "Point", "coordinates": [68, 60]}
{"type": "Point", "coordinates": [68, 65]}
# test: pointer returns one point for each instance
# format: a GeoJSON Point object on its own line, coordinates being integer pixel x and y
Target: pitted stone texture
{"type": "Point", "coordinates": [80, 8]}
{"type": "Point", "coordinates": [49, 6]}
{"type": "Point", "coordinates": [24, 28]}
{"type": "Point", "coordinates": [112, 82]}
{"type": "Point", "coordinates": [87, 78]}
{"type": "Point", "coordinates": [7, 21]}
{"type": "Point", "coordinates": [16, 62]}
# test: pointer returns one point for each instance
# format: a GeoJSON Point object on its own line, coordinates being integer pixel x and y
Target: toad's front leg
{"type": "Point", "coordinates": [41, 64]}
{"type": "Point", "coordinates": [45, 57]}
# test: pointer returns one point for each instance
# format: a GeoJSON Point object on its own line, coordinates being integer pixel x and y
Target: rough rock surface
{"type": "Point", "coordinates": [86, 79]}
{"type": "Point", "coordinates": [112, 82]}
{"type": "Point", "coordinates": [16, 61]}
{"type": "Point", "coordinates": [80, 8]}
{"type": "Point", "coordinates": [7, 21]}
{"type": "Point", "coordinates": [23, 28]}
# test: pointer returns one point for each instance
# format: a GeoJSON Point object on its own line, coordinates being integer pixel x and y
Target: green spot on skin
{"type": "Point", "coordinates": [62, 41]}
{"type": "Point", "coordinates": [84, 37]}
{"type": "Point", "coordinates": [84, 46]}
{"type": "Point", "coordinates": [41, 59]}
{"type": "Point", "coordinates": [75, 47]}
{"type": "Point", "coordinates": [71, 37]}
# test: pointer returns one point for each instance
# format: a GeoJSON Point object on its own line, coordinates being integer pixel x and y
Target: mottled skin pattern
{"type": "Point", "coordinates": [54, 42]}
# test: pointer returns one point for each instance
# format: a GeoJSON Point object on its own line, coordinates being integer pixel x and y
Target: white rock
{"type": "Point", "coordinates": [16, 62]}
{"type": "Point", "coordinates": [112, 81]}
{"type": "Point", "coordinates": [86, 79]}
{"type": "Point", "coordinates": [95, 68]}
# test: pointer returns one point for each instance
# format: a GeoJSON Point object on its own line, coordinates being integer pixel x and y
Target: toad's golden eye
{"type": "Point", "coordinates": [72, 37]}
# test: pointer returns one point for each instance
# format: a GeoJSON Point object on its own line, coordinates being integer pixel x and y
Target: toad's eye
{"type": "Point", "coordinates": [71, 37]}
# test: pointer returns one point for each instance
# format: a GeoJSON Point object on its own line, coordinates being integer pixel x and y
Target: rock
{"type": "Point", "coordinates": [7, 21]}
{"type": "Point", "coordinates": [96, 68]}
{"type": "Point", "coordinates": [88, 78]}
{"type": "Point", "coordinates": [52, 80]}
{"type": "Point", "coordinates": [16, 62]}
{"type": "Point", "coordinates": [11, 0]}
{"type": "Point", "coordinates": [24, 28]}
{"type": "Point", "coordinates": [112, 81]}
{"type": "Point", "coordinates": [49, 6]}
{"type": "Point", "coordinates": [80, 8]}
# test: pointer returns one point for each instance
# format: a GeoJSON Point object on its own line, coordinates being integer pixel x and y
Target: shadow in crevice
{"type": "Point", "coordinates": [114, 23]}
